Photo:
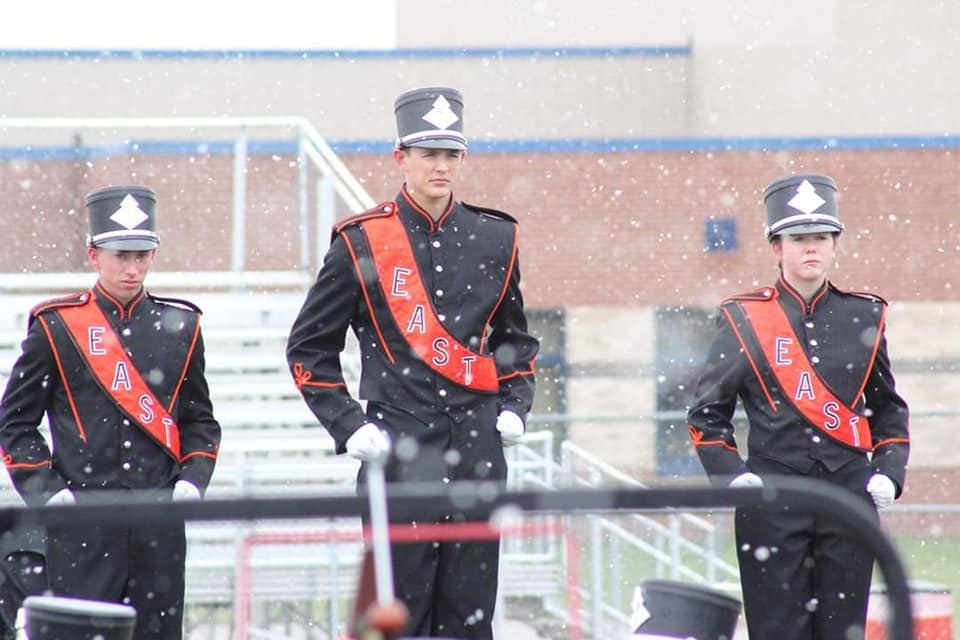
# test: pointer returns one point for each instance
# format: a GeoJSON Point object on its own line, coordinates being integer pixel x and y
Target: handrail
{"type": "Point", "coordinates": [311, 147]}
{"type": "Point", "coordinates": [299, 123]}
{"type": "Point", "coordinates": [477, 502]}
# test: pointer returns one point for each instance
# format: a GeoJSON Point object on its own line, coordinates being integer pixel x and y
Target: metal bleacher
{"type": "Point", "coordinates": [239, 573]}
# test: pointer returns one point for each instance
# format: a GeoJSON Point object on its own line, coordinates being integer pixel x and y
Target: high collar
{"type": "Point", "coordinates": [792, 298]}
{"type": "Point", "coordinates": [110, 304]}
{"type": "Point", "coordinates": [410, 206]}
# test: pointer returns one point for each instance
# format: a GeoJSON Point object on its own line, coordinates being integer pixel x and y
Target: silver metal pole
{"type": "Point", "coordinates": [326, 214]}
{"type": "Point", "coordinates": [303, 199]}
{"type": "Point", "coordinates": [383, 569]}
{"type": "Point", "coordinates": [596, 552]}
{"type": "Point", "coordinates": [239, 204]}
{"type": "Point", "coordinates": [335, 592]}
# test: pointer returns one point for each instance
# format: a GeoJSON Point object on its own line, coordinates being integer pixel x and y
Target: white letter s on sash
{"type": "Point", "coordinates": [146, 404]}
{"type": "Point", "coordinates": [440, 349]}
{"type": "Point", "coordinates": [830, 412]}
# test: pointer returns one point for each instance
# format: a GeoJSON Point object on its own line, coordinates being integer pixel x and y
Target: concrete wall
{"type": "Point", "coordinates": [754, 68]}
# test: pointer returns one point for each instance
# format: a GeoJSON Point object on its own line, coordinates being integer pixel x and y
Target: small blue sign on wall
{"type": "Point", "coordinates": [720, 234]}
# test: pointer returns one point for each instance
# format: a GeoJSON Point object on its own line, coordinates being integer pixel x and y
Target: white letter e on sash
{"type": "Point", "coordinates": [95, 341]}
{"type": "Point", "coordinates": [781, 346]}
{"type": "Point", "coordinates": [399, 279]}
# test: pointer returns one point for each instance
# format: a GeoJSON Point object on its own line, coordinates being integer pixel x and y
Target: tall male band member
{"type": "Point", "coordinates": [431, 288]}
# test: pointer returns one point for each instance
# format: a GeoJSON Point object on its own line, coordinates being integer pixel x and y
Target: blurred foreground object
{"type": "Point", "coordinates": [57, 618]}
{"type": "Point", "coordinates": [668, 609]}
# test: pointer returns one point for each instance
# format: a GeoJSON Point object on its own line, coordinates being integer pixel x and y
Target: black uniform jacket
{"type": "Point", "coordinates": [842, 335]}
{"type": "Point", "coordinates": [468, 263]}
{"type": "Point", "coordinates": [107, 450]}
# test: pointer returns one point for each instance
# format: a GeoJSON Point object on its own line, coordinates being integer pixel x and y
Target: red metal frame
{"type": "Point", "coordinates": [430, 532]}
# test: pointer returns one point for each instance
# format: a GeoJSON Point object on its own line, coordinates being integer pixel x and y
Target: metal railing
{"type": "Point", "coordinates": [312, 152]}
{"type": "Point", "coordinates": [408, 503]}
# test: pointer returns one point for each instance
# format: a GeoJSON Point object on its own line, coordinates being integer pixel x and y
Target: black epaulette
{"type": "Point", "coordinates": [176, 302]}
{"type": "Point", "coordinates": [757, 295]}
{"type": "Point", "coordinates": [866, 295]}
{"type": "Point", "coordinates": [493, 213]}
{"type": "Point", "coordinates": [380, 211]}
{"type": "Point", "coordinates": [70, 300]}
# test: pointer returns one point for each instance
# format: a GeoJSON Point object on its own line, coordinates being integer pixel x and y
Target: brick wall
{"type": "Point", "coordinates": [626, 228]}
{"type": "Point", "coordinates": [597, 228]}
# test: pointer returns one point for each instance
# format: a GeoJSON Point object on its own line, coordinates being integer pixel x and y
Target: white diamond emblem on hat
{"type": "Point", "coordinates": [807, 199]}
{"type": "Point", "coordinates": [129, 214]}
{"type": "Point", "coordinates": [441, 115]}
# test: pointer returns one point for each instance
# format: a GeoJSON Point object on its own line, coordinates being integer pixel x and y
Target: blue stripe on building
{"type": "Point", "coordinates": [665, 51]}
{"type": "Point", "coordinates": [565, 145]}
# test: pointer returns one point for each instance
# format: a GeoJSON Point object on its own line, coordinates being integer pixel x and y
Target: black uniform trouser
{"type": "Point", "coordinates": [803, 577]}
{"type": "Point", "coordinates": [450, 588]}
{"type": "Point", "coordinates": [22, 574]}
{"type": "Point", "coordinates": [141, 565]}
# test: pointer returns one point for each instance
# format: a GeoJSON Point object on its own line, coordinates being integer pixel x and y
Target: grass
{"type": "Point", "coordinates": [932, 559]}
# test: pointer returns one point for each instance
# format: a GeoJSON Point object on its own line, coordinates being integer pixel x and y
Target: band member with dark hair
{"type": "Point", "coordinates": [431, 288]}
{"type": "Point", "coordinates": [809, 363]}
{"type": "Point", "coordinates": [119, 374]}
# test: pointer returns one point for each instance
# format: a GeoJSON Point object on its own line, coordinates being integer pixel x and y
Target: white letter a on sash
{"type": "Point", "coordinates": [121, 377]}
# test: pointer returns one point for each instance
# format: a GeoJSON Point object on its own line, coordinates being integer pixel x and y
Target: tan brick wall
{"type": "Point", "coordinates": [596, 228]}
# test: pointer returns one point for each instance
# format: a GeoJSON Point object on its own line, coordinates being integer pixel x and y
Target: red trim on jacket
{"type": "Point", "coordinates": [433, 224]}
{"type": "Point", "coordinates": [63, 377]}
{"type": "Point", "coordinates": [753, 365]}
{"type": "Point", "coordinates": [366, 297]}
{"type": "Point", "coordinates": [696, 437]}
{"type": "Point", "coordinates": [186, 365]}
{"type": "Point", "coordinates": [302, 377]}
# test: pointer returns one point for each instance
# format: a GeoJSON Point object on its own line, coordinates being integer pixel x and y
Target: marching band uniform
{"type": "Point", "coordinates": [814, 378]}
{"type": "Point", "coordinates": [438, 313]}
{"type": "Point", "coordinates": [122, 385]}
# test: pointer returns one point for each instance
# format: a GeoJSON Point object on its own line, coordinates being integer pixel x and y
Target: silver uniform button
{"type": "Point", "coordinates": [443, 393]}
{"type": "Point", "coordinates": [436, 244]}
{"type": "Point", "coordinates": [127, 444]}
{"type": "Point", "coordinates": [439, 268]}
{"type": "Point", "coordinates": [126, 466]}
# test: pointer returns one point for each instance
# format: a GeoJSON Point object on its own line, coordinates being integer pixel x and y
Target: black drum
{"type": "Point", "coordinates": [57, 618]}
{"type": "Point", "coordinates": [681, 610]}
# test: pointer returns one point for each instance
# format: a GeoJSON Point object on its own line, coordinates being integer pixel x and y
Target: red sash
{"type": "Point", "coordinates": [103, 353]}
{"type": "Point", "coordinates": [413, 312]}
{"type": "Point", "coordinates": [801, 385]}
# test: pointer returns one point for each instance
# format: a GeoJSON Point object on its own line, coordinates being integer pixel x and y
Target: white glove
{"type": "Point", "coordinates": [746, 480]}
{"type": "Point", "coordinates": [64, 496]}
{"type": "Point", "coordinates": [882, 490]}
{"type": "Point", "coordinates": [185, 490]}
{"type": "Point", "coordinates": [510, 427]}
{"type": "Point", "coordinates": [368, 442]}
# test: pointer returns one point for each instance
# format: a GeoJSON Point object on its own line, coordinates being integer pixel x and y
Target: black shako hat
{"type": "Point", "coordinates": [431, 117]}
{"type": "Point", "coordinates": [123, 219]}
{"type": "Point", "coordinates": [803, 203]}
